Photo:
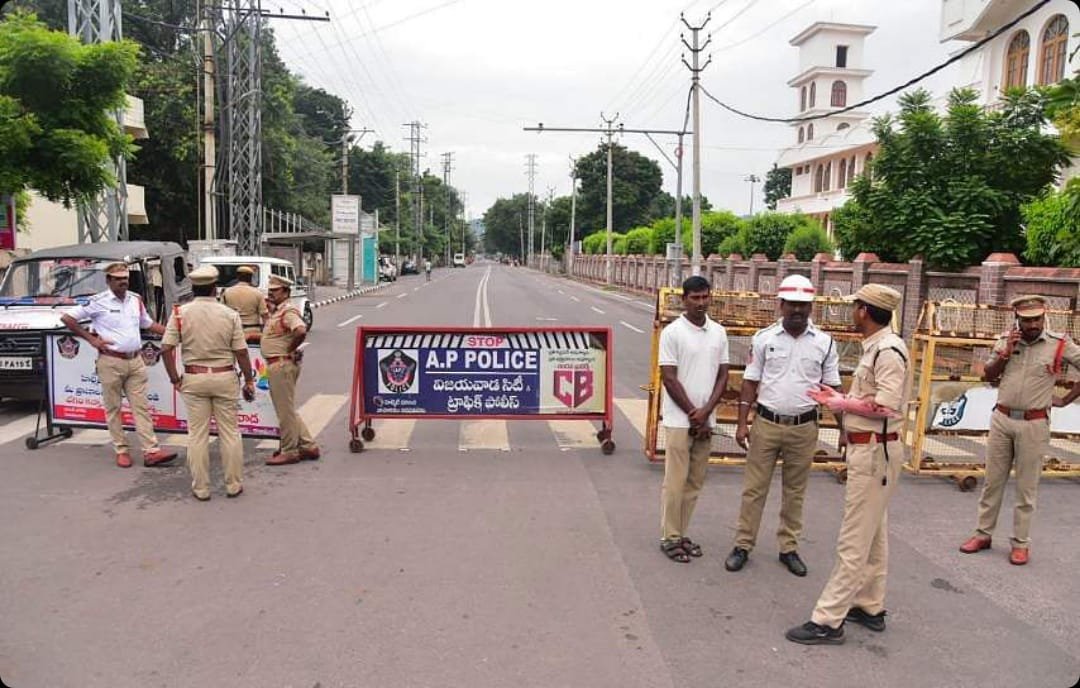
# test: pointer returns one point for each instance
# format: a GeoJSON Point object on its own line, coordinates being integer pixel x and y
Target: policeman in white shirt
{"type": "Point", "coordinates": [694, 369]}
{"type": "Point", "coordinates": [787, 360]}
{"type": "Point", "coordinates": [117, 318]}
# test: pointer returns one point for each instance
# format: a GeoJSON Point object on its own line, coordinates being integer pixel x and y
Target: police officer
{"type": "Point", "coordinates": [1025, 364]}
{"type": "Point", "coordinates": [283, 333]}
{"type": "Point", "coordinates": [788, 360]}
{"type": "Point", "coordinates": [118, 317]}
{"type": "Point", "coordinates": [248, 301]}
{"type": "Point", "coordinates": [872, 418]}
{"type": "Point", "coordinates": [211, 342]}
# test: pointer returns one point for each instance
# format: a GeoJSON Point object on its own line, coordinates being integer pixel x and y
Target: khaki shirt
{"type": "Point", "coordinates": [208, 333]}
{"type": "Point", "coordinates": [277, 332]}
{"type": "Point", "coordinates": [248, 302]}
{"type": "Point", "coordinates": [1028, 382]}
{"type": "Point", "coordinates": [883, 378]}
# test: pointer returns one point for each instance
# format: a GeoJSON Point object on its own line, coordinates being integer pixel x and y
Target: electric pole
{"type": "Point", "coordinates": [209, 161]}
{"type": "Point", "coordinates": [345, 141]}
{"type": "Point", "coordinates": [521, 239]}
{"type": "Point", "coordinates": [573, 210]}
{"type": "Point", "coordinates": [696, 68]}
{"type": "Point", "coordinates": [609, 123]}
{"type": "Point", "coordinates": [753, 179]}
{"type": "Point", "coordinates": [543, 227]}
{"type": "Point", "coordinates": [530, 171]}
{"type": "Point", "coordinates": [448, 166]}
{"type": "Point", "coordinates": [397, 222]}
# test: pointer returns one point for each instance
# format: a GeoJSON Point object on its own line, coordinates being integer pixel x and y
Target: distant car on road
{"type": "Point", "coordinates": [459, 260]}
{"type": "Point", "coordinates": [409, 268]}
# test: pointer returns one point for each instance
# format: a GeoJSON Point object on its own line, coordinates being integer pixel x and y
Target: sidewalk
{"type": "Point", "coordinates": [327, 294]}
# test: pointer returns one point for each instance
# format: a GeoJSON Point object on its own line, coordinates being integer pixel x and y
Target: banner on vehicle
{"type": "Point", "coordinates": [75, 391]}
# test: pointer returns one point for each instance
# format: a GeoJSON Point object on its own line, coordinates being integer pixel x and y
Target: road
{"type": "Point", "coordinates": [486, 554]}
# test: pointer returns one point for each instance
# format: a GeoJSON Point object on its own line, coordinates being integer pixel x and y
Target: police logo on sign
{"type": "Point", "coordinates": [397, 372]}
{"type": "Point", "coordinates": [68, 346]}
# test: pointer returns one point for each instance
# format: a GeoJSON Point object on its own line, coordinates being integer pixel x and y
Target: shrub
{"type": "Point", "coordinates": [808, 241]}
{"type": "Point", "coordinates": [1053, 228]}
{"type": "Point", "coordinates": [639, 241]}
{"type": "Point", "coordinates": [768, 232]}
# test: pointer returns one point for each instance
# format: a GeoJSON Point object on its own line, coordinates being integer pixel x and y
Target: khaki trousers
{"type": "Point", "coordinates": [686, 461]}
{"type": "Point", "coordinates": [1020, 445]}
{"type": "Point", "coordinates": [213, 395]}
{"type": "Point", "coordinates": [294, 433]}
{"type": "Point", "coordinates": [862, 550]}
{"type": "Point", "coordinates": [768, 441]}
{"type": "Point", "coordinates": [120, 378]}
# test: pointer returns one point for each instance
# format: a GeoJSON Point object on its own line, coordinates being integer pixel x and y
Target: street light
{"type": "Point", "coordinates": [753, 179]}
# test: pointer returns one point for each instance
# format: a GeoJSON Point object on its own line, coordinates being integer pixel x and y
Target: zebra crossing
{"type": "Point", "coordinates": [392, 435]}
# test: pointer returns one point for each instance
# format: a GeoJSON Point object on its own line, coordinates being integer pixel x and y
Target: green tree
{"type": "Point", "coordinates": [504, 225]}
{"type": "Point", "coordinates": [715, 227]}
{"type": "Point", "coordinates": [1053, 228]}
{"type": "Point", "coordinates": [57, 97]}
{"type": "Point", "coordinates": [768, 233]}
{"type": "Point", "coordinates": [635, 184]}
{"type": "Point", "coordinates": [807, 241]}
{"type": "Point", "coordinates": [638, 241]}
{"type": "Point", "coordinates": [663, 205]}
{"type": "Point", "coordinates": [777, 185]}
{"type": "Point", "coordinates": [950, 187]}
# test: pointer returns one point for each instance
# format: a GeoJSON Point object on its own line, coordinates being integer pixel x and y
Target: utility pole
{"type": "Point", "coordinates": [609, 123]}
{"type": "Point", "coordinates": [209, 161]}
{"type": "Point", "coordinates": [696, 68]}
{"type": "Point", "coordinates": [464, 219]}
{"type": "Point", "coordinates": [530, 171]}
{"type": "Point", "coordinates": [397, 222]}
{"type": "Point", "coordinates": [543, 228]}
{"type": "Point", "coordinates": [674, 253]}
{"type": "Point", "coordinates": [573, 211]}
{"type": "Point", "coordinates": [345, 141]}
{"type": "Point", "coordinates": [448, 166]}
{"type": "Point", "coordinates": [521, 239]}
{"type": "Point", "coordinates": [415, 140]}
{"type": "Point", "coordinates": [753, 179]}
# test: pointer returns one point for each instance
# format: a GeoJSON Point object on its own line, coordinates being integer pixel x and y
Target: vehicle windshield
{"type": "Point", "coordinates": [54, 278]}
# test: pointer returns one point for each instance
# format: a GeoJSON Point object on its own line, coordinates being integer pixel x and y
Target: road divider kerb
{"type": "Point", "coordinates": [350, 295]}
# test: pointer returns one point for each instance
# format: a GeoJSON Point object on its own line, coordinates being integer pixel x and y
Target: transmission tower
{"type": "Point", "coordinates": [448, 167]}
{"type": "Point", "coordinates": [104, 218]}
{"type": "Point", "coordinates": [530, 171]}
{"type": "Point", "coordinates": [415, 141]}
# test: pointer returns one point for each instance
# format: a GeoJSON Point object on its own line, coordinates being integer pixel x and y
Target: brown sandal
{"type": "Point", "coordinates": [674, 551]}
{"type": "Point", "coordinates": [691, 547]}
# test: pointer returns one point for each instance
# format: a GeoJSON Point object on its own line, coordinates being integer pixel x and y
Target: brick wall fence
{"type": "Point", "coordinates": [999, 279]}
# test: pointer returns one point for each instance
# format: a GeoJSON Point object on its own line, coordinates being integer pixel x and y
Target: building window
{"type": "Point", "coordinates": [841, 56]}
{"type": "Point", "coordinates": [809, 132]}
{"type": "Point", "coordinates": [798, 170]}
{"type": "Point", "coordinates": [828, 177]}
{"type": "Point", "coordinates": [802, 135]}
{"type": "Point", "coordinates": [839, 94]}
{"type": "Point", "coordinates": [851, 170]}
{"type": "Point", "coordinates": [813, 93]}
{"type": "Point", "coordinates": [818, 179]}
{"type": "Point", "coordinates": [1016, 61]}
{"type": "Point", "coordinates": [802, 99]}
{"type": "Point", "coordinates": [1052, 60]}
{"type": "Point", "coordinates": [841, 181]}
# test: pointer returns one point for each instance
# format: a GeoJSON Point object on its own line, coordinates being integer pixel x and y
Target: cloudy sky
{"type": "Point", "coordinates": [477, 71]}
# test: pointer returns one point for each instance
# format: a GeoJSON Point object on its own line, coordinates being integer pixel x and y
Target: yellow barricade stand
{"type": "Point", "coordinates": [953, 405]}
{"type": "Point", "coordinates": [742, 314]}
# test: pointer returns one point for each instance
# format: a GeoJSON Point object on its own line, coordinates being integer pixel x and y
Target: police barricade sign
{"type": "Point", "coordinates": [75, 398]}
{"type": "Point", "coordinates": [481, 373]}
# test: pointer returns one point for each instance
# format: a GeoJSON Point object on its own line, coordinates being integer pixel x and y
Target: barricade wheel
{"type": "Point", "coordinates": [368, 434]}
{"type": "Point", "coordinates": [31, 443]}
{"type": "Point", "coordinates": [66, 433]}
{"type": "Point", "coordinates": [841, 476]}
{"type": "Point", "coordinates": [608, 446]}
{"type": "Point", "coordinates": [966, 483]}
{"type": "Point", "coordinates": [356, 446]}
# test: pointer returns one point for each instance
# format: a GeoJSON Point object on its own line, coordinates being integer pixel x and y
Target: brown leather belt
{"type": "Point", "coordinates": [198, 369]}
{"type": "Point", "coordinates": [866, 437]}
{"type": "Point", "coordinates": [127, 356]}
{"type": "Point", "coordinates": [275, 359]}
{"type": "Point", "coordinates": [1018, 414]}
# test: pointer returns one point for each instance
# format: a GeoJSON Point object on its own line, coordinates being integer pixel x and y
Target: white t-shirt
{"type": "Point", "coordinates": [120, 322]}
{"type": "Point", "coordinates": [787, 368]}
{"type": "Point", "coordinates": [697, 353]}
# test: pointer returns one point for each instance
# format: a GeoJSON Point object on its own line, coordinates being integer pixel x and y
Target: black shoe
{"type": "Point", "coordinates": [737, 559]}
{"type": "Point", "coordinates": [875, 622]}
{"type": "Point", "coordinates": [793, 563]}
{"type": "Point", "coordinates": [811, 633]}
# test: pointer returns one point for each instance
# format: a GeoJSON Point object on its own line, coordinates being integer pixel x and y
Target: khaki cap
{"type": "Point", "coordinates": [877, 295]}
{"type": "Point", "coordinates": [278, 281]}
{"type": "Point", "coordinates": [245, 270]}
{"type": "Point", "coordinates": [203, 275]}
{"type": "Point", "coordinates": [118, 270]}
{"type": "Point", "coordinates": [1030, 306]}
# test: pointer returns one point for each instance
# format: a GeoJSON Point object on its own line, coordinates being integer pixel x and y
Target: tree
{"type": "Point", "coordinates": [807, 241]}
{"type": "Point", "coordinates": [715, 227]}
{"type": "Point", "coordinates": [951, 187]}
{"type": "Point", "coordinates": [57, 97]}
{"type": "Point", "coordinates": [664, 206]}
{"type": "Point", "coordinates": [767, 233]}
{"type": "Point", "coordinates": [635, 183]}
{"type": "Point", "coordinates": [373, 173]}
{"type": "Point", "coordinates": [777, 185]}
{"type": "Point", "coordinates": [1053, 228]}
{"type": "Point", "coordinates": [504, 225]}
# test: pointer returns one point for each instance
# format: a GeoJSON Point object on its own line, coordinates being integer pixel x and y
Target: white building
{"type": "Point", "coordinates": [827, 152]}
{"type": "Point", "coordinates": [825, 160]}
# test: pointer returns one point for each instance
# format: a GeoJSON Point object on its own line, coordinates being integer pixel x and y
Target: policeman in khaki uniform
{"type": "Point", "coordinates": [871, 424]}
{"type": "Point", "coordinates": [118, 317]}
{"type": "Point", "coordinates": [283, 333]}
{"type": "Point", "coordinates": [211, 343]}
{"type": "Point", "coordinates": [788, 360]}
{"type": "Point", "coordinates": [1025, 364]}
{"type": "Point", "coordinates": [248, 301]}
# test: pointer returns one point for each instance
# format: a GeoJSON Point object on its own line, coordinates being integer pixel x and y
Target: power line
{"type": "Point", "coordinates": [765, 28]}
{"type": "Point", "coordinates": [892, 91]}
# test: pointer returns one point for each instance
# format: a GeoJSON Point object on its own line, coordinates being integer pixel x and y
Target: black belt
{"type": "Point", "coordinates": [772, 417]}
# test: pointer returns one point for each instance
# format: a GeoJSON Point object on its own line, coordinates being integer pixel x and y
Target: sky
{"type": "Point", "coordinates": [477, 72]}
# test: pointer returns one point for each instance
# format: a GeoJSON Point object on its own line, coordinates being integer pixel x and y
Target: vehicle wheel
{"type": "Point", "coordinates": [309, 316]}
{"type": "Point", "coordinates": [356, 446]}
{"type": "Point", "coordinates": [31, 443]}
{"type": "Point", "coordinates": [608, 447]}
{"type": "Point", "coordinates": [368, 434]}
{"type": "Point", "coordinates": [66, 433]}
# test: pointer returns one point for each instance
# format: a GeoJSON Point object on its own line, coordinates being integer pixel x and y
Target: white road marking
{"type": "Point", "coordinates": [483, 434]}
{"type": "Point", "coordinates": [574, 434]}
{"type": "Point", "coordinates": [597, 310]}
{"type": "Point", "coordinates": [353, 319]}
{"type": "Point", "coordinates": [574, 298]}
{"type": "Point", "coordinates": [626, 324]}
{"type": "Point", "coordinates": [392, 434]}
{"type": "Point", "coordinates": [416, 288]}
{"type": "Point", "coordinates": [546, 319]}
{"type": "Point", "coordinates": [636, 411]}
{"type": "Point", "coordinates": [482, 305]}
{"type": "Point", "coordinates": [381, 304]}
{"type": "Point", "coordinates": [401, 296]}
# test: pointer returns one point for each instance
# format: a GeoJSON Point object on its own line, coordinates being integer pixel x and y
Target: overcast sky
{"type": "Point", "coordinates": [477, 71]}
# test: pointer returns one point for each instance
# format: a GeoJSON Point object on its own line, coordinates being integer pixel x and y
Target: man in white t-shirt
{"type": "Point", "coordinates": [694, 369]}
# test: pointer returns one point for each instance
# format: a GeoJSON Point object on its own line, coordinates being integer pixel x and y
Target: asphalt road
{"type": "Point", "coordinates": [494, 554]}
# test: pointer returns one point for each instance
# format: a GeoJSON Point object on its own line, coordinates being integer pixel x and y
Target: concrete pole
{"type": "Point", "coordinates": [695, 260]}
{"type": "Point", "coordinates": [573, 211]}
{"type": "Point", "coordinates": [676, 269]}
